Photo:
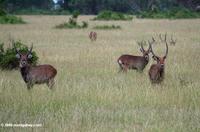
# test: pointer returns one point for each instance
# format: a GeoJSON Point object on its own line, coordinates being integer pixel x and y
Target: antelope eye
{"type": "Point", "coordinates": [30, 56]}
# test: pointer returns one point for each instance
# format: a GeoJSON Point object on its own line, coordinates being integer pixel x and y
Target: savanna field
{"type": "Point", "coordinates": [90, 95]}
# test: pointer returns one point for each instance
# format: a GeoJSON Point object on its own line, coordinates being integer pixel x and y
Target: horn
{"type": "Point", "coordinates": [30, 51]}
{"type": "Point", "coordinates": [166, 49]}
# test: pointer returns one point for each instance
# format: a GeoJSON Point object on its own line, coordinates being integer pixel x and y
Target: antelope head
{"type": "Point", "coordinates": [145, 52]}
{"type": "Point", "coordinates": [23, 57]}
{"type": "Point", "coordinates": [160, 60]}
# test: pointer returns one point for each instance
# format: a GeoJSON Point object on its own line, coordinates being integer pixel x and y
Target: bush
{"type": "Point", "coordinates": [72, 23]}
{"type": "Point", "coordinates": [110, 15]}
{"type": "Point", "coordinates": [36, 11]}
{"type": "Point", "coordinates": [8, 58]}
{"type": "Point", "coordinates": [75, 14]}
{"type": "Point", "coordinates": [2, 12]}
{"type": "Point", "coordinates": [107, 27]}
{"type": "Point", "coordinates": [175, 13]}
{"type": "Point", "coordinates": [10, 19]}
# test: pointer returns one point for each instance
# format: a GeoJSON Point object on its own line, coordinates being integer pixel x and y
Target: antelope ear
{"type": "Point", "coordinates": [30, 56]}
{"type": "Point", "coordinates": [17, 56]}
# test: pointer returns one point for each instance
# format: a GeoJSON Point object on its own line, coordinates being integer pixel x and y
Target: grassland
{"type": "Point", "coordinates": [90, 95]}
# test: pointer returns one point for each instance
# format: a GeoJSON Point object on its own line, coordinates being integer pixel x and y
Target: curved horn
{"type": "Point", "coordinates": [166, 49]}
{"type": "Point", "coordinates": [31, 49]}
{"type": "Point", "coordinates": [142, 45]}
{"type": "Point", "coordinates": [150, 44]}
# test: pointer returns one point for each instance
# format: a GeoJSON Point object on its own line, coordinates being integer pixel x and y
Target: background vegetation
{"type": "Point", "coordinates": [107, 27]}
{"type": "Point", "coordinates": [110, 15]}
{"type": "Point", "coordinates": [149, 8]}
{"type": "Point", "coordinates": [72, 22]}
{"type": "Point", "coordinates": [8, 19]}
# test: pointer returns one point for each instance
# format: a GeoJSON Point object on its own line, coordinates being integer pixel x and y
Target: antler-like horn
{"type": "Point", "coordinates": [166, 49]}
{"type": "Point", "coordinates": [165, 38]}
{"type": "Point", "coordinates": [141, 45]}
{"type": "Point", "coordinates": [150, 45]}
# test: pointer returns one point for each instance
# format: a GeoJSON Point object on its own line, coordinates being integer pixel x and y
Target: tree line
{"type": "Point", "coordinates": [95, 6]}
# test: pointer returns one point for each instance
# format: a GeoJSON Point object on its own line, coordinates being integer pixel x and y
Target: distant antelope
{"type": "Point", "coordinates": [156, 71]}
{"type": "Point", "coordinates": [135, 62]}
{"type": "Point", "coordinates": [93, 36]}
{"type": "Point", "coordinates": [173, 41]}
{"type": "Point", "coordinates": [35, 74]}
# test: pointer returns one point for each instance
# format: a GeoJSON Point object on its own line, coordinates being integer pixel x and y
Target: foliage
{"type": "Point", "coordinates": [107, 27]}
{"type": "Point", "coordinates": [10, 19]}
{"type": "Point", "coordinates": [75, 14]}
{"type": "Point", "coordinates": [2, 12]}
{"type": "Point", "coordinates": [8, 58]}
{"type": "Point", "coordinates": [110, 15]}
{"type": "Point", "coordinates": [95, 6]}
{"type": "Point", "coordinates": [175, 13]}
{"type": "Point", "coordinates": [72, 23]}
{"type": "Point", "coordinates": [35, 11]}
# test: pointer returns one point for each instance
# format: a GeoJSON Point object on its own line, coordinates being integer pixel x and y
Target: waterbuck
{"type": "Point", "coordinates": [93, 36]}
{"type": "Point", "coordinates": [156, 71]}
{"type": "Point", "coordinates": [135, 62]}
{"type": "Point", "coordinates": [35, 74]}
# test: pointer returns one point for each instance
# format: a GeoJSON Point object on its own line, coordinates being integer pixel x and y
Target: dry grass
{"type": "Point", "coordinates": [89, 94]}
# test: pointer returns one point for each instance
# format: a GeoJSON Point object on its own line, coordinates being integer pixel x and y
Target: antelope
{"type": "Point", "coordinates": [156, 71]}
{"type": "Point", "coordinates": [173, 42]}
{"type": "Point", "coordinates": [93, 36]}
{"type": "Point", "coordinates": [34, 74]}
{"type": "Point", "coordinates": [134, 62]}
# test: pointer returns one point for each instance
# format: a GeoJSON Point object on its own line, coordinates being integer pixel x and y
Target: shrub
{"type": "Point", "coordinates": [2, 12]}
{"type": "Point", "coordinates": [72, 23]}
{"type": "Point", "coordinates": [109, 27]}
{"type": "Point", "coordinates": [110, 15]}
{"type": "Point", "coordinates": [75, 14]}
{"type": "Point", "coordinates": [10, 19]}
{"type": "Point", "coordinates": [175, 13]}
{"type": "Point", "coordinates": [8, 58]}
{"type": "Point", "coordinates": [85, 24]}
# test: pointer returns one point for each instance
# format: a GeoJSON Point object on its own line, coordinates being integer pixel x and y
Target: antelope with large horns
{"type": "Point", "coordinates": [156, 71]}
{"type": "Point", "coordinates": [135, 62]}
{"type": "Point", "coordinates": [39, 74]}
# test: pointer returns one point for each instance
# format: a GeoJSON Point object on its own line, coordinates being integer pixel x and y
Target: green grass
{"type": "Point", "coordinates": [90, 95]}
{"type": "Point", "coordinates": [107, 27]}
{"type": "Point", "coordinates": [10, 19]}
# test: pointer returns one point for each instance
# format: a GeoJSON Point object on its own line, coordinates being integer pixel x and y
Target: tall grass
{"type": "Point", "coordinates": [90, 95]}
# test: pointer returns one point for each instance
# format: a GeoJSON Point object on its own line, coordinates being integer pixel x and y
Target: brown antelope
{"type": "Point", "coordinates": [93, 36]}
{"type": "Point", "coordinates": [156, 71]}
{"type": "Point", "coordinates": [135, 62]}
{"type": "Point", "coordinates": [35, 74]}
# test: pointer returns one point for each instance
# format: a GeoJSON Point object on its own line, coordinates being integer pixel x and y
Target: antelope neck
{"type": "Point", "coordinates": [24, 71]}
